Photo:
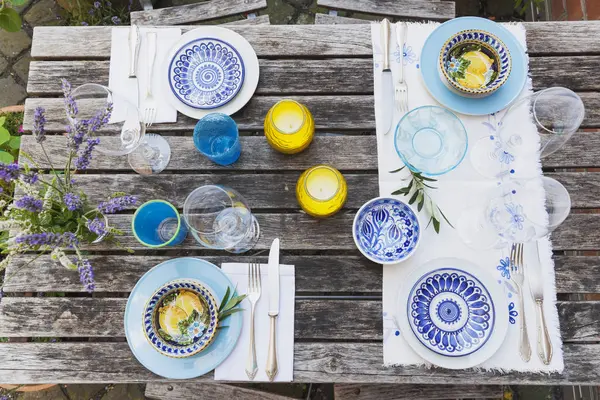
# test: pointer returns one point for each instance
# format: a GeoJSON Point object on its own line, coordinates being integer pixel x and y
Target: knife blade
{"type": "Point", "coordinates": [134, 51]}
{"type": "Point", "coordinates": [273, 269]}
{"type": "Point", "coordinates": [387, 83]}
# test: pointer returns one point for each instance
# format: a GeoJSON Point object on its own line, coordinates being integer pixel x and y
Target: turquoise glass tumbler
{"type": "Point", "coordinates": [216, 136]}
{"type": "Point", "coordinates": [157, 223]}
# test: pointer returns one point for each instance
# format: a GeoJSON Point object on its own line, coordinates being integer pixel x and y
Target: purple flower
{"type": "Point", "coordinates": [70, 104]}
{"type": "Point", "coordinates": [83, 161]}
{"type": "Point", "coordinates": [108, 4]}
{"type": "Point", "coordinates": [100, 119]}
{"type": "Point", "coordinates": [116, 20]}
{"type": "Point", "coordinates": [86, 275]}
{"type": "Point", "coordinates": [117, 204]}
{"type": "Point", "coordinates": [9, 172]}
{"type": "Point", "coordinates": [91, 11]}
{"type": "Point", "coordinates": [84, 23]}
{"type": "Point", "coordinates": [66, 239]}
{"type": "Point", "coordinates": [29, 178]}
{"type": "Point", "coordinates": [39, 123]}
{"type": "Point", "coordinates": [96, 226]}
{"type": "Point", "coordinates": [29, 203]}
{"type": "Point", "coordinates": [72, 201]}
{"type": "Point", "coordinates": [130, 4]}
{"type": "Point", "coordinates": [97, 4]}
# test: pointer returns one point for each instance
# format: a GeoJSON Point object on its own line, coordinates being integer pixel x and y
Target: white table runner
{"type": "Point", "coordinates": [458, 189]}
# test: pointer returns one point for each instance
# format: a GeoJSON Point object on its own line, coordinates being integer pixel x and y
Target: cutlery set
{"type": "Point", "coordinates": [397, 93]}
{"type": "Point", "coordinates": [135, 41]}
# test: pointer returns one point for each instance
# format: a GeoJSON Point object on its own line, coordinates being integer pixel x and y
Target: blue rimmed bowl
{"type": "Point", "coordinates": [474, 63]}
{"type": "Point", "coordinates": [206, 73]}
{"type": "Point", "coordinates": [386, 230]}
{"type": "Point", "coordinates": [198, 318]}
{"type": "Point", "coordinates": [451, 312]}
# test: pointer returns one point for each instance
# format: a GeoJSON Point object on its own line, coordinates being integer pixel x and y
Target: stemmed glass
{"type": "Point", "coordinates": [557, 113]}
{"type": "Point", "coordinates": [125, 132]}
{"type": "Point", "coordinates": [514, 214]}
{"type": "Point", "coordinates": [220, 218]}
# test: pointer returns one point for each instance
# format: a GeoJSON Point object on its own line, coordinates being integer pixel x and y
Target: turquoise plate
{"type": "Point", "coordinates": [189, 367]}
{"type": "Point", "coordinates": [496, 101]}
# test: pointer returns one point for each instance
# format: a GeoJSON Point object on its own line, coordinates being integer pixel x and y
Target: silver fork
{"type": "Point", "coordinates": [254, 290]}
{"type": "Point", "coordinates": [149, 102]}
{"type": "Point", "coordinates": [517, 275]}
{"type": "Point", "coordinates": [400, 89]}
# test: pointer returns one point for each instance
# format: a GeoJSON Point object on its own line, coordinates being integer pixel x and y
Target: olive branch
{"type": "Point", "coordinates": [417, 190]}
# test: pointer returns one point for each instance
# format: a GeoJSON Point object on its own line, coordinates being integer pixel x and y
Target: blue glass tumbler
{"type": "Point", "coordinates": [216, 136]}
{"type": "Point", "coordinates": [157, 223]}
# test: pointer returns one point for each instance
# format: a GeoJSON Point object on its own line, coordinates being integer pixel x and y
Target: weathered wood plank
{"type": "Point", "coordinates": [196, 12]}
{"type": "Point", "coordinates": [207, 391]}
{"type": "Point", "coordinates": [396, 8]}
{"type": "Point", "coordinates": [259, 20]}
{"type": "Point", "coordinates": [314, 274]}
{"type": "Point", "coordinates": [351, 112]}
{"type": "Point", "coordinates": [339, 75]}
{"type": "Point", "coordinates": [548, 72]}
{"type": "Point", "coordinates": [562, 37]}
{"type": "Point", "coordinates": [345, 391]}
{"type": "Point", "coordinates": [583, 187]}
{"type": "Point", "coordinates": [315, 320]}
{"type": "Point", "coordinates": [86, 362]}
{"type": "Point", "coordinates": [327, 19]}
{"type": "Point", "coordinates": [343, 152]}
{"type": "Point", "coordinates": [267, 41]}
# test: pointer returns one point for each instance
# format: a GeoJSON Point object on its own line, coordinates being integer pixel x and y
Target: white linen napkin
{"type": "Point", "coordinates": [119, 69]}
{"type": "Point", "coordinates": [458, 190]}
{"type": "Point", "coordinates": [234, 367]}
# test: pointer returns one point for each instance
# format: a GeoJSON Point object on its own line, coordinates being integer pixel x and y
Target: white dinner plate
{"type": "Point", "coordinates": [459, 300]}
{"type": "Point", "coordinates": [245, 51]}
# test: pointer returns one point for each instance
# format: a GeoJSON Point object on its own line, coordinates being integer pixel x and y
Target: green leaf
{"type": "Point", "coordinates": [6, 158]}
{"type": "Point", "coordinates": [403, 191]}
{"type": "Point", "coordinates": [429, 223]}
{"type": "Point", "coordinates": [391, 172]}
{"type": "Point", "coordinates": [227, 313]}
{"type": "Point", "coordinates": [440, 210]}
{"type": "Point", "coordinates": [225, 298]}
{"type": "Point", "coordinates": [4, 135]}
{"type": "Point", "coordinates": [234, 301]}
{"type": "Point", "coordinates": [420, 201]}
{"type": "Point", "coordinates": [430, 187]}
{"type": "Point", "coordinates": [15, 142]}
{"type": "Point", "coordinates": [428, 179]}
{"type": "Point", "coordinates": [2, 119]}
{"type": "Point", "coordinates": [436, 225]}
{"type": "Point", "coordinates": [10, 20]}
{"type": "Point", "coordinates": [414, 197]}
{"type": "Point", "coordinates": [18, 2]}
{"type": "Point", "coordinates": [410, 184]}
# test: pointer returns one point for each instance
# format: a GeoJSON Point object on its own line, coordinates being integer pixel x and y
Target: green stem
{"type": "Point", "coordinates": [52, 167]}
{"type": "Point", "coordinates": [51, 185]}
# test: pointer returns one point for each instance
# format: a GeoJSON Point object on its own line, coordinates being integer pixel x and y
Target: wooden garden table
{"type": "Point", "coordinates": [338, 337]}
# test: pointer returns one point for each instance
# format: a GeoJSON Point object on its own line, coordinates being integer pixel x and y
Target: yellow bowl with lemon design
{"type": "Point", "coordinates": [181, 318]}
{"type": "Point", "coordinates": [474, 63]}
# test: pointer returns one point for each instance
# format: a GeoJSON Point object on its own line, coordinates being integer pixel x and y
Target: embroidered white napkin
{"type": "Point", "coordinates": [119, 80]}
{"type": "Point", "coordinates": [234, 367]}
{"type": "Point", "coordinates": [457, 190]}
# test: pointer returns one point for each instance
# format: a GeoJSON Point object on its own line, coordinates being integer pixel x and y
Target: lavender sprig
{"type": "Point", "coordinates": [86, 275]}
{"type": "Point", "coordinates": [72, 201]}
{"type": "Point", "coordinates": [66, 239]}
{"type": "Point", "coordinates": [117, 204]}
{"type": "Point", "coordinates": [97, 226]}
{"type": "Point", "coordinates": [9, 172]}
{"type": "Point", "coordinates": [70, 104]}
{"type": "Point", "coordinates": [39, 122]}
{"type": "Point", "coordinates": [29, 203]}
{"type": "Point", "coordinates": [83, 161]}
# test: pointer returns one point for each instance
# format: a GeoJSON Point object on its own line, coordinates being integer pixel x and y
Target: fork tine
{"type": "Point", "coordinates": [512, 258]}
{"type": "Point", "coordinates": [254, 278]}
{"type": "Point", "coordinates": [520, 254]}
{"type": "Point", "coordinates": [249, 278]}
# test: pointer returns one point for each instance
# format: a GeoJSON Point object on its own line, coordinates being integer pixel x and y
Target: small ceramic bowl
{"type": "Point", "coordinates": [386, 230]}
{"type": "Point", "coordinates": [181, 318]}
{"type": "Point", "coordinates": [474, 63]}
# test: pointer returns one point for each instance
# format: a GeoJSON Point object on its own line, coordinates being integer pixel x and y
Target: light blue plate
{"type": "Point", "coordinates": [498, 100]}
{"type": "Point", "coordinates": [189, 367]}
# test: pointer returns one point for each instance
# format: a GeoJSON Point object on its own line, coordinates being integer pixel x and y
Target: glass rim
{"type": "Point", "coordinates": [335, 173]}
{"type": "Point", "coordinates": [300, 106]}
{"type": "Point", "coordinates": [185, 213]}
{"type": "Point", "coordinates": [168, 242]}
{"type": "Point", "coordinates": [237, 137]}
{"type": "Point", "coordinates": [560, 88]}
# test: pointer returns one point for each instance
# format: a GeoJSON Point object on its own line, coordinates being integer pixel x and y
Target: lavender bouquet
{"type": "Point", "coordinates": [49, 214]}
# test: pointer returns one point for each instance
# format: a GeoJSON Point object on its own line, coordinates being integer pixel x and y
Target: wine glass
{"type": "Point", "coordinates": [514, 214]}
{"type": "Point", "coordinates": [219, 218]}
{"type": "Point", "coordinates": [124, 132]}
{"type": "Point", "coordinates": [557, 113]}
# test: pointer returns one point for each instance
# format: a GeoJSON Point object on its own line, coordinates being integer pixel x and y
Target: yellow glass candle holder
{"type": "Point", "coordinates": [321, 191]}
{"type": "Point", "coordinates": [289, 127]}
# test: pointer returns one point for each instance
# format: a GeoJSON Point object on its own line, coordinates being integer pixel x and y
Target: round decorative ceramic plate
{"type": "Point", "coordinates": [187, 268]}
{"type": "Point", "coordinates": [232, 99]}
{"type": "Point", "coordinates": [180, 319]}
{"type": "Point", "coordinates": [496, 101]}
{"type": "Point", "coordinates": [206, 73]}
{"type": "Point", "coordinates": [452, 313]}
{"type": "Point", "coordinates": [386, 230]}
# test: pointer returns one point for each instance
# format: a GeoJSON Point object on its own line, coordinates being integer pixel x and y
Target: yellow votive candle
{"type": "Point", "coordinates": [289, 127]}
{"type": "Point", "coordinates": [321, 191]}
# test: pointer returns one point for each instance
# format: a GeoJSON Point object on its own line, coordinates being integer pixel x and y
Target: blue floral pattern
{"type": "Point", "coordinates": [409, 55]}
{"type": "Point", "coordinates": [512, 313]}
{"type": "Point", "coordinates": [516, 214]}
{"type": "Point", "coordinates": [504, 267]}
{"type": "Point", "coordinates": [451, 312]}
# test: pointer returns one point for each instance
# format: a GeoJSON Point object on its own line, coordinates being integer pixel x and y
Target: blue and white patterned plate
{"type": "Point", "coordinates": [386, 230]}
{"type": "Point", "coordinates": [206, 73]}
{"type": "Point", "coordinates": [453, 313]}
{"type": "Point", "coordinates": [199, 334]}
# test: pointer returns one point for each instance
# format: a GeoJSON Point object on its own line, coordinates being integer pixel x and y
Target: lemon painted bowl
{"type": "Point", "coordinates": [474, 63]}
{"type": "Point", "coordinates": [181, 318]}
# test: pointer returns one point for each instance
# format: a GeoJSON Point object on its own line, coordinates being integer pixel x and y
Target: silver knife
{"type": "Point", "coordinates": [273, 270]}
{"type": "Point", "coordinates": [387, 84]}
{"type": "Point", "coordinates": [134, 51]}
{"type": "Point", "coordinates": [544, 345]}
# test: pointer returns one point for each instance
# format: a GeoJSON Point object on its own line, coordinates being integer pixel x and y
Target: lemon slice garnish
{"type": "Point", "coordinates": [169, 318]}
{"type": "Point", "coordinates": [472, 81]}
{"type": "Point", "coordinates": [189, 302]}
{"type": "Point", "coordinates": [480, 62]}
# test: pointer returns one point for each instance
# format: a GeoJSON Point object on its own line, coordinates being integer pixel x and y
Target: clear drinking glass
{"type": "Point", "coordinates": [216, 136]}
{"type": "Point", "coordinates": [557, 113]}
{"type": "Point", "coordinates": [220, 218]}
{"type": "Point", "coordinates": [514, 214]}
{"type": "Point", "coordinates": [125, 132]}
